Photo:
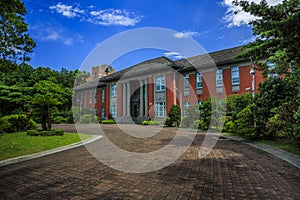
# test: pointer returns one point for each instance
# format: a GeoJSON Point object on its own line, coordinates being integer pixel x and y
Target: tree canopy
{"type": "Point", "coordinates": [278, 32]}
{"type": "Point", "coordinates": [15, 42]}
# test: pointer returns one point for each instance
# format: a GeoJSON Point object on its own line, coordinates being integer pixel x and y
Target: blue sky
{"type": "Point", "coordinates": [67, 31]}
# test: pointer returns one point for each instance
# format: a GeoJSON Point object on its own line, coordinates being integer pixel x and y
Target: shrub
{"type": "Point", "coordinates": [55, 132]}
{"type": "Point", "coordinates": [16, 123]}
{"type": "Point", "coordinates": [150, 122]}
{"type": "Point", "coordinates": [174, 116]}
{"type": "Point", "coordinates": [245, 121]}
{"type": "Point", "coordinates": [108, 121]}
{"type": "Point", "coordinates": [60, 120]}
{"type": "Point", "coordinates": [229, 127]}
{"type": "Point", "coordinates": [86, 119]}
{"type": "Point", "coordinates": [195, 124]}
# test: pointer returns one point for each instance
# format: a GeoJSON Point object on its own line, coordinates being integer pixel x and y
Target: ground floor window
{"type": "Point", "coordinates": [102, 112]}
{"type": "Point", "coordinates": [186, 105]}
{"type": "Point", "coordinates": [160, 109]}
{"type": "Point", "coordinates": [113, 110]}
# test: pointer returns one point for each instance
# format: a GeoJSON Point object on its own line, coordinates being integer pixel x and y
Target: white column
{"type": "Point", "coordinates": [128, 99]}
{"type": "Point", "coordinates": [124, 100]}
{"type": "Point", "coordinates": [141, 99]}
{"type": "Point", "coordinates": [146, 98]}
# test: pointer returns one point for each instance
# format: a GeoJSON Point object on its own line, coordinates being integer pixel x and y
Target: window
{"type": "Point", "coordinates": [95, 96]}
{"type": "Point", "coordinates": [186, 81]}
{"type": "Point", "coordinates": [200, 102]}
{"type": "Point", "coordinates": [235, 75]}
{"type": "Point", "coordinates": [198, 80]}
{"type": "Point", "coordinates": [186, 105]}
{"type": "Point", "coordinates": [271, 70]}
{"type": "Point", "coordinates": [113, 110]}
{"type": "Point", "coordinates": [159, 83]}
{"type": "Point", "coordinates": [102, 112]}
{"type": "Point", "coordinates": [219, 78]}
{"type": "Point", "coordinates": [113, 90]}
{"type": "Point", "coordinates": [292, 66]}
{"type": "Point", "coordinates": [160, 109]}
{"type": "Point", "coordinates": [102, 94]}
{"type": "Point", "coordinates": [90, 96]}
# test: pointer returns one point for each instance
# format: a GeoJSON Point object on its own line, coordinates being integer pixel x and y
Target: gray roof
{"type": "Point", "coordinates": [90, 85]}
{"type": "Point", "coordinates": [218, 58]}
{"type": "Point", "coordinates": [148, 66]}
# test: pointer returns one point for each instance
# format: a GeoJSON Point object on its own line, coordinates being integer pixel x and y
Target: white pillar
{"type": "Point", "coordinates": [141, 99]}
{"type": "Point", "coordinates": [128, 99]}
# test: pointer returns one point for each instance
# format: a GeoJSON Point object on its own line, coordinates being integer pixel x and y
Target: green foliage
{"type": "Point", "coordinates": [236, 103]}
{"type": "Point", "coordinates": [245, 122]}
{"type": "Point", "coordinates": [174, 116]}
{"type": "Point", "coordinates": [108, 121]}
{"type": "Point", "coordinates": [277, 28]}
{"type": "Point", "coordinates": [56, 132]}
{"type": "Point", "coordinates": [15, 43]}
{"type": "Point", "coordinates": [16, 123]}
{"type": "Point", "coordinates": [150, 122]}
{"type": "Point", "coordinates": [88, 118]}
{"type": "Point", "coordinates": [193, 114]}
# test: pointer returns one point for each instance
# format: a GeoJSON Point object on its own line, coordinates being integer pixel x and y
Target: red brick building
{"type": "Point", "coordinates": [153, 86]}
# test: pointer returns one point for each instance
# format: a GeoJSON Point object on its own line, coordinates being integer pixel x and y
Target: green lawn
{"type": "Point", "coordinates": [18, 144]}
{"type": "Point", "coordinates": [282, 144]}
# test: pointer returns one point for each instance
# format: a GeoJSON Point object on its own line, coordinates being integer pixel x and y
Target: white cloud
{"type": "Point", "coordinates": [114, 17]}
{"type": "Point", "coordinates": [174, 55]}
{"type": "Point", "coordinates": [248, 40]}
{"type": "Point", "coordinates": [186, 34]}
{"type": "Point", "coordinates": [104, 17]}
{"type": "Point", "coordinates": [68, 41]}
{"type": "Point", "coordinates": [241, 18]}
{"type": "Point", "coordinates": [67, 11]}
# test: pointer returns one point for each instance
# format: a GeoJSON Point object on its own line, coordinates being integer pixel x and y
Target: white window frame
{"type": "Point", "coordinates": [271, 66]}
{"type": "Point", "coordinates": [160, 109]}
{"type": "Point", "coordinates": [186, 81]}
{"type": "Point", "coordinates": [102, 112]}
{"type": "Point", "coordinates": [219, 78]}
{"type": "Point", "coordinates": [235, 75]}
{"type": "Point", "coordinates": [102, 94]}
{"type": "Point", "coordinates": [90, 96]}
{"type": "Point", "coordinates": [186, 105]}
{"type": "Point", "coordinates": [160, 83]}
{"type": "Point", "coordinates": [199, 81]}
{"type": "Point", "coordinates": [113, 90]}
{"type": "Point", "coordinates": [113, 110]}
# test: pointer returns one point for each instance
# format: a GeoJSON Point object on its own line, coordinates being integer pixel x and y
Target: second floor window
{"type": "Point", "coordinates": [219, 78]}
{"type": "Point", "coordinates": [113, 90]}
{"type": "Point", "coordinates": [159, 83]}
{"type": "Point", "coordinates": [199, 80]}
{"type": "Point", "coordinates": [186, 81]}
{"type": "Point", "coordinates": [271, 70]}
{"type": "Point", "coordinates": [235, 75]}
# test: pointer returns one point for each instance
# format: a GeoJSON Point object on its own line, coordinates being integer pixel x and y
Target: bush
{"type": "Point", "coordinates": [108, 121]}
{"type": "Point", "coordinates": [56, 132]}
{"type": "Point", "coordinates": [60, 120]}
{"type": "Point", "coordinates": [229, 127]}
{"type": "Point", "coordinates": [88, 118]}
{"type": "Point", "coordinates": [174, 116]}
{"type": "Point", "coordinates": [16, 123]}
{"type": "Point", "coordinates": [245, 121]}
{"type": "Point", "coordinates": [150, 122]}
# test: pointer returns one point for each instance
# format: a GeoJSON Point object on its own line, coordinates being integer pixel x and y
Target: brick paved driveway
{"type": "Point", "coordinates": [232, 170]}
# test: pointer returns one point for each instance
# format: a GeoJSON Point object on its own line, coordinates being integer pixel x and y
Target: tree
{"type": "Point", "coordinates": [174, 116]}
{"type": "Point", "coordinates": [15, 43]}
{"type": "Point", "coordinates": [278, 31]}
{"type": "Point", "coordinates": [48, 96]}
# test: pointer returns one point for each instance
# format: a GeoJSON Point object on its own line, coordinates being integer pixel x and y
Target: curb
{"type": "Point", "coordinates": [291, 158]}
{"type": "Point", "coordinates": [48, 152]}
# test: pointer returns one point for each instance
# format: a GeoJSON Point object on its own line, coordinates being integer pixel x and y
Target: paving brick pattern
{"type": "Point", "coordinates": [232, 170]}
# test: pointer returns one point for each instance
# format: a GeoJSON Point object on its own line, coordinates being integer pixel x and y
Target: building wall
{"type": "Point", "coordinates": [194, 95]}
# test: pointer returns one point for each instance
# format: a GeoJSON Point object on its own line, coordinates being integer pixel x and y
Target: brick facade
{"type": "Point", "coordinates": [147, 99]}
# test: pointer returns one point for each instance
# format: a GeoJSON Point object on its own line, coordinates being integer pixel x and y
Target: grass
{"type": "Point", "coordinates": [18, 144]}
{"type": "Point", "coordinates": [282, 144]}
